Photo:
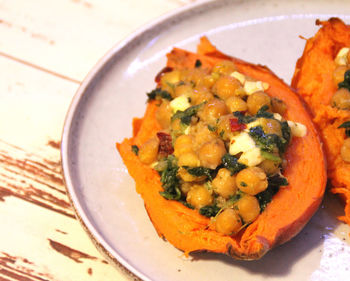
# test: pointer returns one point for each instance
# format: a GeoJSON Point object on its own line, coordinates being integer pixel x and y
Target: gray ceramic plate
{"type": "Point", "coordinates": [103, 193]}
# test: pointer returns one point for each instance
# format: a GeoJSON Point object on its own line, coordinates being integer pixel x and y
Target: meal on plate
{"type": "Point", "coordinates": [226, 158]}
{"type": "Point", "coordinates": [322, 78]}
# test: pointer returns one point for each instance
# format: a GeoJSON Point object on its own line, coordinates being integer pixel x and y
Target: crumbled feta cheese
{"type": "Point", "coordinates": [297, 129]}
{"type": "Point", "coordinates": [251, 87]}
{"type": "Point", "coordinates": [341, 58]}
{"type": "Point", "coordinates": [180, 103]}
{"type": "Point", "coordinates": [239, 76]}
{"type": "Point", "coordinates": [277, 116]}
{"type": "Point", "coordinates": [241, 143]}
{"type": "Point", "coordinates": [251, 157]}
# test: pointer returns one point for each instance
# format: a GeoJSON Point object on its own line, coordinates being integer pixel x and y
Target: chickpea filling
{"type": "Point", "coordinates": [222, 144]}
{"type": "Point", "coordinates": [341, 98]}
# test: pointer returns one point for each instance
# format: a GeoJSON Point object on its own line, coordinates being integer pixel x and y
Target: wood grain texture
{"type": "Point", "coordinates": [46, 49]}
{"type": "Point", "coordinates": [40, 233]}
{"type": "Point", "coordinates": [72, 32]}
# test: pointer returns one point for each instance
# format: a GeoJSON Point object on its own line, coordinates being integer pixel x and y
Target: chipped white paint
{"type": "Point", "coordinates": [46, 50]}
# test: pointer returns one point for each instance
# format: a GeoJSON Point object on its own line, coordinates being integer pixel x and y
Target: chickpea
{"type": "Point", "coordinates": [278, 106]}
{"type": "Point", "coordinates": [248, 208]}
{"type": "Point", "coordinates": [201, 134]}
{"type": "Point", "coordinates": [194, 75]}
{"type": "Point", "coordinates": [201, 94]}
{"type": "Point", "coordinates": [187, 177]}
{"type": "Point", "coordinates": [251, 180]}
{"type": "Point", "coordinates": [212, 110]}
{"type": "Point", "coordinates": [188, 159]}
{"type": "Point", "coordinates": [226, 86]}
{"type": "Point", "coordinates": [224, 183]}
{"type": "Point", "coordinates": [235, 103]}
{"type": "Point", "coordinates": [210, 153]}
{"type": "Point", "coordinates": [341, 99]}
{"type": "Point", "coordinates": [149, 151]}
{"type": "Point", "coordinates": [183, 144]}
{"type": "Point", "coordinates": [208, 81]}
{"type": "Point", "coordinates": [345, 150]}
{"type": "Point", "coordinates": [256, 100]}
{"type": "Point", "coordinates": [224, 127]}
{"type": "Point", "coordinates": [176, 127]}
{"type": "Point", "coordinates": [199, 196]}
{"type": "Point", "coordinates": [270, 167]}
{"type": "Point", "coordinates": [169, 79]}
{"type": "Point", "coordinates": [338, 74]}
{"type": "Point", "coordinates": [224, 67]}
{"type": "Point", "coordinates": [271, 126]}
{"type": "Point", "coordinates": [183, 90]}
{"type": "Point", "coordinates": [228, 222]}
{"type": "Point", "coordinates": [185, 187]}
{"type": "Point", "coordinates": [163, 114]}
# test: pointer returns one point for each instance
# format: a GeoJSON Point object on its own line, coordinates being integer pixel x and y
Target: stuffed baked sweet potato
{"type": "Point", "coordinates": [226, 158]}
{"type": "Point", "coordinates": [322, 78]}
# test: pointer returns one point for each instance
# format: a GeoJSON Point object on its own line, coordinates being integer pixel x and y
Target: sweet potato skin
{"type": "Point", "coordinates": [313, 80]}
{"type": "Point", "coordinates": [283, 218]}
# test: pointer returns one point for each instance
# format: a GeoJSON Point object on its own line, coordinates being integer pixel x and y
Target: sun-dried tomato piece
{"type": "Point", "coordinates": [165, 144]}
{"type": "Point", "coordinates": [236, 125]}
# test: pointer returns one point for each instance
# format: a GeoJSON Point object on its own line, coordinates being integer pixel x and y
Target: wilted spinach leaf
{"type": "Point", "coordinates": [209, 210]}
{"type": "Point", "coordinates": [186, 115]}
{"type": "Point", "coordinates": [169, 179]}
{"type": "Point", "coordinates": [231, 163]}
{"type": "Point", "coordinates": [200, 171]}
{"type": "Point", "coordinates": [158, 92]}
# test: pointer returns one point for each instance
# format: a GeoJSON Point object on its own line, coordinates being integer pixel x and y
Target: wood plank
{"type": "Point", "coordinates": [68, 37]}
{"type": "Point", "coordinates": [40, 237]}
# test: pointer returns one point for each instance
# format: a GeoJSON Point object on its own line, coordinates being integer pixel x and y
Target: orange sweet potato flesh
{"type": "Point", "coordinates": [313, 79]}
{"type": "Point", "coordinates": [283, 218]}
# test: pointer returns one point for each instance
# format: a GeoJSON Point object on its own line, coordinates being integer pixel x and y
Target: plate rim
{"type": "Point", "coordinates": [102, 246]}
{"type": "Point", "coordinates": [160, 22]}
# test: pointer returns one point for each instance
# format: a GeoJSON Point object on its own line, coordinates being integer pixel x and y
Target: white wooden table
{"type": "Point", "coordinates": [46, 50]}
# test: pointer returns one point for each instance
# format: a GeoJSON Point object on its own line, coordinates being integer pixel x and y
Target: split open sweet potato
{"type": "Point", "coordinates": [313, 79]}
{"type": "Point", "coordinates": [285, 215]}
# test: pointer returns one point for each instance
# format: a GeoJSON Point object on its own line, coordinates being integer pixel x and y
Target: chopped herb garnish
{"type": "Point", "coordinates": [231, 163]}
{"type": "Point", "coordinates": [346, 125]}
{"type": "Point", "coordinates": [286, 131]}
{"type": "Point", "coordinates": [245, 119]}
{"type": "Point", "coordinates": [211, 128]}
{"type": "Point", "coordinates": [275, 182]}
{"type": "Point", "coordinates": [186, 204]}
{"type": "Point", "coordinates": [135, 149]}
{"type": "Point", "coordinates": [271, 156]}
{"type": "Point", "coordinates": [242, 183]}
{"type": "Point", "coordinates": [346, 83]}
{"type": "Point", "coordinates": [159, 93]}
{"type": "Point", "coordinates": [209, 210]}
{"type": "Point", "coordinates": [233, 199]}
{"type": "Point", "coordinates": [200, 171]}
{"type": "Point", "coordinates": [198, 63]}
{"type": "Point", "coordinates": [267, 142]}
{"type": "Point", "coordinates": [186, 115]}
{"type": "Point", "coordinates": [264, 113]}
{"type": "Point", "coordinates": [169, 179]}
